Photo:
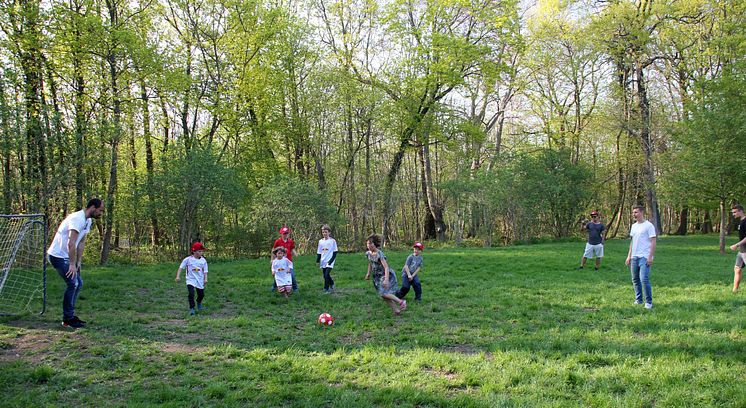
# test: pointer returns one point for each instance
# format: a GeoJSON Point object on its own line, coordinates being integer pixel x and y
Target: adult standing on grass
{"type": "Point", "coordinates": [66, 256]}
{"type": "Point", "coordinates": [595, 245]}
{"type": "Point", "coordinates": [384, 279]}
{"type": "Point", "coordinates": [740, 246]}
{"type": "Point", "coordinates": [640, 256]}
{"type": "Point", "coordinates": [286, 242]}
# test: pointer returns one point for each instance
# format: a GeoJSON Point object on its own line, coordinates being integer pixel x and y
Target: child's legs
{"type": "Point", "coordinates": [292, 275]}
{"type": "Point", "coordinates": [200, 295]}
{"type": "Point", "coordinates": [417, 287]}
{"type": "Point", "coordinates": [392, 298]}
{"type": "Point", "coordinates": [394, 305]}
{"type": "Point", "coordinates": [328, 282]}
{"type": "Point", "coordinates": [405, 285]}
{"type": "Point", "coordinates": [190, 289]}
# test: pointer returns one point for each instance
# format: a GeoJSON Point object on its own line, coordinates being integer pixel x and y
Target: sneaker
{"type": "Point", "coordinates": [580, 268]}
{"type": "Point", "coordinates": [77, 319]}
{"type": "Point", "coordinates": [595, 269]}
{"type": "Point", "coordinates": [72, 324]}
{"type": "Point", "coordinates": [200, 307]}
{"type": "Point", "coordinates": [191, 312]}
{"type": "Point", "coordinates": [403, 305]}
{"type": "Point", "coordinates": [648, 305]}
{"type": "Point", "coordinates": [637, 302]}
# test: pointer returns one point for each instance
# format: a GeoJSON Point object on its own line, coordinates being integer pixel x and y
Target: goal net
{"type": "Point", "coordinates": [23, 262]}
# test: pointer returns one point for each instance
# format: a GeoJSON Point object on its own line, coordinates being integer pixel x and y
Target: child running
{"type": "Point", "coordinates": [286, 242]}
{"type": "Point", "coordinates": [410, 273]}
{"type": "Point", "coordinates": [196, 275]}
{"type": "Point", "coordinates": [384, 279]}
{"type": "Point", "coordinates": [326, 253]}
{"type": "Point", "coordinates": [281, 267]}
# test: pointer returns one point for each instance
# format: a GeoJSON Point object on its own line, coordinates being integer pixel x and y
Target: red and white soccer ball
{"type": "Point", "coordinates": [325, 319]}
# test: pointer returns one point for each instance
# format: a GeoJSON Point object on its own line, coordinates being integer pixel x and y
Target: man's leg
{"type": "Point", "coordinates": [645, 280]}
{"type": "Point", "coordinates": [635, 272]}
{"type": "Point", "coordinates": [68, 303]}
{"type": "Point", "coordinates": [736, 278]}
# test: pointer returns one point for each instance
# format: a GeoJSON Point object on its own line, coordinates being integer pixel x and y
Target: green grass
{"type": "Point", "coordinates": [518, 326]}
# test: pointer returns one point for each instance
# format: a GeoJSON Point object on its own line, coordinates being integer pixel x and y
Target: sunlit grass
{"type": "Point", "coordinates": [518, 326]}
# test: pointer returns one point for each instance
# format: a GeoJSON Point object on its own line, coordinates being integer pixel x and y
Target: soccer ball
{"type": "Point", "coordinates": [325, 319]}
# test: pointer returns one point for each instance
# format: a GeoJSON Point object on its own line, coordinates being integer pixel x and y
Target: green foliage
{"type": "Point", "coordinates": [704, 168]}
{"type": "Point", "coordinates": [286, 200]}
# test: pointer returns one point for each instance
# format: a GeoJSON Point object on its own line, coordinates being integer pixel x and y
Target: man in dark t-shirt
{"type": "Point", "coordinates": [595, 244]}
{"type": "Point", "coordinates": [740, 246]}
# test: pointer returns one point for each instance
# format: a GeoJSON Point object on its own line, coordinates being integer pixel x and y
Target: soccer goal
{"type": "Point", "coordinates": [23, 279]}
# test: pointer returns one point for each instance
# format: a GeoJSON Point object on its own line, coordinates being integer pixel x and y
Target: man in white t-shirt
{"type": "Point", "coordinates": [66, 254]}
{"type": "Point", "coordinates": [640, 256]}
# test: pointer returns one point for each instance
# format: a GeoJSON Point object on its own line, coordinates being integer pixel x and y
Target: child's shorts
{"type": "Point", "coordinates": [285, 289]}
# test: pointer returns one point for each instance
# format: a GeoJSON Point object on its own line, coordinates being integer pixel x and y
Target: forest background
{"type": "Point", "coordinates": [465, 122]}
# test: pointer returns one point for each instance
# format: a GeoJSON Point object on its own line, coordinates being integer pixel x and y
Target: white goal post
{"type": "Point", "coordinates": [23, 277]}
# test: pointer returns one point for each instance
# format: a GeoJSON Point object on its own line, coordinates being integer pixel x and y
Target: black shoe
{"type": "Point", "coordinates": [77, 319]}
{"type": "Point", "coordinates": [595, 269]}
{"type": "Point", "coordinates": [72, 324]}
{"type": "Point", "coordinates": [581, 267]}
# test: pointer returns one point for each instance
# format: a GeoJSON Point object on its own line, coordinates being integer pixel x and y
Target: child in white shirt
{"type": "Point", "coordinates": [281, 267]}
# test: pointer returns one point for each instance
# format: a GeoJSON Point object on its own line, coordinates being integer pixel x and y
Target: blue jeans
{"type": "Point", "coordinates": [641, 279]}
{"type": "Point", "coordinates": [405, 284]}
{"type": "Point", "coordinates": [73, 286]}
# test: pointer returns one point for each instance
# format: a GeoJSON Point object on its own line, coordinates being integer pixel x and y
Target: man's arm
{"type": "Point", "coordinates": [629, 253]}
{"type": "Point", "coordinates": [652, 250]}
{"type": "Point", "coordinates": [72, 253]}
{"type": "Point", "coordinates": [81, 247]}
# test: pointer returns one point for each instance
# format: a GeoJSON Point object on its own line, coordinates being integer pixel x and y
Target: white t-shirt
{"type": "Point", "coordinates": [327, 248]}
{"type": "Point", "coordinates": [641, 234]}
{"type": "Point", "coordinates": [196, 269]}
{"type": "Point", "coordinates": [281, 268]}
{"type": "Point", "coordinates": [73, 222]}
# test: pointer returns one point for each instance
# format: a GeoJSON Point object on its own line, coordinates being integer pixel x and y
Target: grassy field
{"type": "Point", "coordinates": [517, 326]}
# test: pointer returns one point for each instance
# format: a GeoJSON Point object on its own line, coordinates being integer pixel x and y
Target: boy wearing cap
{"type": "Point", "coordinates": [196, 275]}
{"type": "Point", "coordinates": [595, 244]}
{"type": "Point", "coordinates": [286, 242]}
{"type": "Point", "coordinates": [409, 274]}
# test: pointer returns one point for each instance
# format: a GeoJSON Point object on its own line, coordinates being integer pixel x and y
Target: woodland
{"type": "Point", "coordinates": [459, 122]}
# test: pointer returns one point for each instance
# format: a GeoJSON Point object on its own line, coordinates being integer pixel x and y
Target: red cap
{"type": "Point", "coordinates": [594, 213]}
{"type": "Point", "coordinates": [284, 230]}
{"type": "Point", "coordinates": [419, 246]}
{"type": "Point", "coordinates": [197, 246]}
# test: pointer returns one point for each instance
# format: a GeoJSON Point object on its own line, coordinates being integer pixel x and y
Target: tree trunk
{"type": "Point", "coordinates": [435, 208]}
{"type": "Point", "coordinates": [724, 215]}
{"type": "Point", "coordinates": [648, 149]}
{"type": "Point", "coordinates": [6, 135]}
{"type": "Point", "coordinates": [683, 221]}
{"type": "Point", "coordinates": [112, 61]}
{"type": "Point", "coordinates": [149, 164]}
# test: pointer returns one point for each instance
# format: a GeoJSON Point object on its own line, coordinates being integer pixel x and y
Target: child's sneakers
{"type": "Point", "coordinates": [192, 312]}
{"type": "Point", "coordinates": [403, 305]}
{"type": "Point", "coordinates": [200, 307]}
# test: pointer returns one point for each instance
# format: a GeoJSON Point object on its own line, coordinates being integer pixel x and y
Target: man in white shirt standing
{"type": "Point", "coordinates": [640, 256]}
{"type": "Point", "coordinates": [66, 254]}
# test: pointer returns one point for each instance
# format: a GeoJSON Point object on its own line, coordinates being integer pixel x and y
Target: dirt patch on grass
{"type": "Point", "coordinates": [358, 339]}
{"type": "Point", "coordinates": [461, 349]}
{"type": "Point", "coordinates": [181, 348]}
{"type": "Point", "coordinates": [34, 347]}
